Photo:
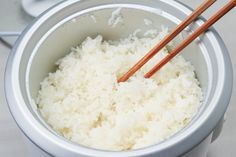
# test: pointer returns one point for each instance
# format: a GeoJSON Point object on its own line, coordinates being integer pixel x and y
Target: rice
{"type": "Point", "coordinates": [83, 101]}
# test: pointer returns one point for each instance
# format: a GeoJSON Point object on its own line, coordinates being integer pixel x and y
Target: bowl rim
{"type": "Point", "coordinates": [49, 143]}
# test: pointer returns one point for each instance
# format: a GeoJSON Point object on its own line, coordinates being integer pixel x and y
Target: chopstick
{"type": "Point", "coordinates": [193, 16]}
{"type": "Point", "coordinates": [230, 5]}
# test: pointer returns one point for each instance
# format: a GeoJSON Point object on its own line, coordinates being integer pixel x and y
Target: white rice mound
{"type": "Point", "coordinates": [83, 101]}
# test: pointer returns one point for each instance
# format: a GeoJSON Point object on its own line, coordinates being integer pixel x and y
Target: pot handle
{"type": "Point", "coordinates": [218, 129]}
{"type": "Point", "coordinates": [8, 34]}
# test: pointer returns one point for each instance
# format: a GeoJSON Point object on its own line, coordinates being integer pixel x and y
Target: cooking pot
{"type": "Point", "coordinates": [51, 36]}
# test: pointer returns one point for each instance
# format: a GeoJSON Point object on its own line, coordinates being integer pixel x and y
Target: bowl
{"type": "Point", "coordinates": [51, 36]}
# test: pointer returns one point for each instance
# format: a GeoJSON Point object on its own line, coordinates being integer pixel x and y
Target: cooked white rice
{"type": "Point", "coordinates": [83, 101]}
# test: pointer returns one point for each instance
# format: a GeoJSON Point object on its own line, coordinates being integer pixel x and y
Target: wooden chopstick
{"type": "Point", "coordinates": [192, 37]}
{"type": "Point", "coordinates": [167, 39]}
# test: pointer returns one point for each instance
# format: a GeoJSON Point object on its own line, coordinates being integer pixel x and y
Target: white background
{"type": "Point", "coordinates": [12, 18]}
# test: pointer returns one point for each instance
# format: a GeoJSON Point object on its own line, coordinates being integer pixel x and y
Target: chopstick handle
{"type": "Point", "coordinates": [167, 39]}
{"type": "Point", "coordinates": [192, 37]}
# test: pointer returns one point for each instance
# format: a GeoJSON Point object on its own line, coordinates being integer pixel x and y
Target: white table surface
{"type": "Point", "coordinates": [11, 142]}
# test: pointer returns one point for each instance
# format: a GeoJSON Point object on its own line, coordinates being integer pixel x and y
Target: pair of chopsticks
{"type": "Point", "coordinates": [230, 5]}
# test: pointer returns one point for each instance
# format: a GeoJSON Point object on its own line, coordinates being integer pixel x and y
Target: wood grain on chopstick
{"type": "Point", "coordinates": [192, 37]}
{"type": "Point", "coordinates": [167, 39]}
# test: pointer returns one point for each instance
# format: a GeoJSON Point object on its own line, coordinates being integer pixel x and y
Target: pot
{"type": "Point", "coordinates": [51, 36]}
